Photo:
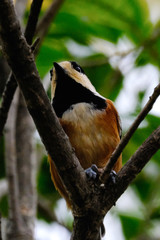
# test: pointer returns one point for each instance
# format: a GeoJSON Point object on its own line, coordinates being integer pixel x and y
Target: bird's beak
{"type": "Point", "coordinates": [59, 70]}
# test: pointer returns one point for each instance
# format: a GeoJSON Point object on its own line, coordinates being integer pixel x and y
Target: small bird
{"type": "Point", "coordinates": [90, 121]}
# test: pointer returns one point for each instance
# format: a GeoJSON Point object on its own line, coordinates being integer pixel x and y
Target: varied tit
{"type": "Point", "coordinates": [90, 121]}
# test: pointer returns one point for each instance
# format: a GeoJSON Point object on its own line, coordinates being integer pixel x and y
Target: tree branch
{"type": "Point", "coordinates": [4, 70]}
{"type": "Point", "coordinates": [132, 168]}
{"type": "Point", "coordinates": [32, 20]}
{"type": "Point", "coordinates": [44, 23]}
{"type": "Point", "coordinates": [52, 134]}
{"type": "Point", "coordinates": [104, 196]}
{"type": "Point", "coordinates": [22, 206]}
{"type": "Point", "coordinates": [91, 201]}
{"type": "Point", "coordinates": [7, 98]}
{"type": "Point", "coordinates": [11, 83]}
{"type": "Point", "coordinates": [10, 156]}
{"type": "Point", "coordinates": [26, 167]}
{"type": "Point", "coordinates": [20, 6]}
{"type": "Point", "coordinates": [129, 133]}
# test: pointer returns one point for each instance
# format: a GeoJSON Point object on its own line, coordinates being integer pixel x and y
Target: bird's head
{"type": "Point", "coordinates": [70, 85]}
{"type": "Point", "coordinates": [65, 70]}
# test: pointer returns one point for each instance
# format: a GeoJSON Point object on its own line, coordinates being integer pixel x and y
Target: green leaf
{"type": "Point", "coordinates": [131, 225]}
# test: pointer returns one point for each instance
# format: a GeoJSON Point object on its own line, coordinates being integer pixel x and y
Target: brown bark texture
{"type": "Point", "coordinates": [91, 199]}
{"type": "Point", "coordinates": [11, 85]}
{"type": "Point", "coordinates": [20, 160]}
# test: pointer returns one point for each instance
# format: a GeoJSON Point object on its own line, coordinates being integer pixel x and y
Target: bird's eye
{"type": "Point", "coordinates": [78, 69]}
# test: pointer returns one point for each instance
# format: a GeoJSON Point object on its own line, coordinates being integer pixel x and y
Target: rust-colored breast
{"type": "Point", "coordinates": [94, 134]}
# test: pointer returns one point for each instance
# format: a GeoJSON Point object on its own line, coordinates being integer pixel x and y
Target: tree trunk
{"type": "Point", "coordinates": [87, 227]}
{"type": "Point", "coordinates": [26, 165]}
{"type": "Point", "coordinates": [14, 226]}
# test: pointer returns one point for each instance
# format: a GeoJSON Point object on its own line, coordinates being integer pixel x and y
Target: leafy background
{"type": "Point", "coordinates": [118, 45]}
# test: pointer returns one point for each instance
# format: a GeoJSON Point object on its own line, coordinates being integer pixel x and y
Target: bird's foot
{"type": "Point", "coordinates": [92, 172]}
{"type": "Point", "coordinates": [113, 176]}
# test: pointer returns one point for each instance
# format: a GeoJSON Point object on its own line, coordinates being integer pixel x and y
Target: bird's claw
{"type": "Point", "coordinates": [92, 172]}
{"type": "Point", "coordinates": [113, 176]}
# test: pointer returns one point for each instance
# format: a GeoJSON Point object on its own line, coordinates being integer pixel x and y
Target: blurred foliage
{"type": "Point", "coordinates": [4, 206]}
{"type": "Point", "coordinates": [73, 35]}
{"type": "Point", "coordinates": [45, 185]}
{"type": "Point", "coordinates": [88, 19]}
{"type": "Point", "coordinates": [131, 225]}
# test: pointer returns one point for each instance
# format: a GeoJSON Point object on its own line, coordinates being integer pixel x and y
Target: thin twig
{"type": "Point", "coordinates": [8, 94]}
{"type": "Point", "coordinates": [129, 134]}
{"type": "Point", "coordinates": [35, 44]}
{"type": "Point", "coordinates": [44, 23]}
{"type": "Point", "coordinates": [132, 168]}
{"type": "Point", "coordinates": [32, 20]}
{"type": "Point", "coordinates": [7, 98]}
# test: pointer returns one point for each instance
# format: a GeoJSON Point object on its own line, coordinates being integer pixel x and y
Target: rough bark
{"type": "Point", "coordinates": [24, 68]}
{"type": "Point", "coordinates": [29, 33]}
{"type": "Point", "coordinates": [91, 199]}
{"type": "Point", "coordinates": [133, 167]}
{"type": "Point", "coordinates": [11, 83]}
{"type": "Point", "coordinates": [87, 227]}
{"type": "Point", "coordinates": [4, 70]}
{"type": "Point", "coordinates": [32, 20]}
{"type": "Point", "coordinates": [7, 98]}
{"type": "Point", "coordinates": [24, 174]}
